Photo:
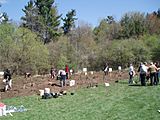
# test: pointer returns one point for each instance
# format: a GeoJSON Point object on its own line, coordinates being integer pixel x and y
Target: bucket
{"type": "Point", "coordinates": [106, 84]}
{"type": "Point", "coordinates": [41, 92]}
{"type": "Point", "coordinates": [72, 83]}
{"type": "Point", "coordinates": [47, 90]}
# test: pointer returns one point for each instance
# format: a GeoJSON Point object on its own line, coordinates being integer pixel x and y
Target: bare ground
{"type": "Point", "coordinates": [31, 86]}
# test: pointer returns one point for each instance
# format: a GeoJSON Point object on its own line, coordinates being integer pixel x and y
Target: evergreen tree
{"type": "Point", "coordinates": [69, 21]}
{"type": "Point", "coordinates": [41, 17]}
{"type": "Point", "coordinates": [30, 20]}
{"type": "Point", "coordinates": [3, 17]}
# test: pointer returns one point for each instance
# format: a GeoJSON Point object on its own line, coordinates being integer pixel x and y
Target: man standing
{"type": "Point", "coordinates": [63, 78]}
{"type": "Point", "coordinates": [153, 69]}
{"type": "Point", "coordinates": [143, 72]}
{"type": "Point", "coordinates": [53, 73]}
{"type": "Point", "coordinates": [106, 69]}
{"type": "Point", "coordinates": [7, 80]}
{"type": "Point", "coordinates": [131, 74]}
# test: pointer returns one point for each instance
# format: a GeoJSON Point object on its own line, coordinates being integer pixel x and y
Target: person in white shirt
{"type": "Point", "coordinates": [63, 78]}
{"type": "Point", "coordinates": [131, 74]}
{"type": "Point", "coordinates": [143, 71]}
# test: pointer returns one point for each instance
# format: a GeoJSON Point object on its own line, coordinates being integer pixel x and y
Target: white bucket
{"type": "Point", "coordinates": [106, 84]}
{"type": "Point", "coordinates": [72, 83]}
{"type": "Point", "coordinates": [47, 90]}
{"type": "Point", "coordinates": [41, 92]}
{"type": "Point", "coordinates": [110, 69]}
{"type": "Point", "coordinates": [84, 69]}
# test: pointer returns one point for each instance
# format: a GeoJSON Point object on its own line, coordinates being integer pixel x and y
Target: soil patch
{"type": "Point", "coordinates": [31, 86]}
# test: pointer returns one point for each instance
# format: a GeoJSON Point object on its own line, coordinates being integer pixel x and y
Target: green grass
{"type": "Point", "coordinates": [117, 102]}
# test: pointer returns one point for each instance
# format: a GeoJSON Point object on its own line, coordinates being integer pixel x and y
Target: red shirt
{"type": "Point", "coordinates": [67, 69]}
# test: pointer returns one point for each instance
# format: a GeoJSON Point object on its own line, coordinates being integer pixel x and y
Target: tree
{"type": "Point", "coordinates": [101, 32]}
{"type": "Point", "coordinates": [110, 19]}
{"type": "Point", "coordinates": [133, 25]}
{"type": "Point", "coordinates": [21, 50]}
{"type": "Point", "coordinates": [153, 23]}
{"type": "Point", "coordinates": [30, 53]}
{"type": "Point", "coordinates": [41, 17]}
{"type": "Point", "coordinates": [7, 46]}
{"type": "Point", "coordinates": [69, 21]}
{"type": "Point", "coordinates": [30, 20]}
{"type": "Point", "coordinates": [4, 17]}
{"type": "Point", "coordinates": [84, 45]}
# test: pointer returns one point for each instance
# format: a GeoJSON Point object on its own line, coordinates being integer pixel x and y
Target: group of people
{"type": "Point", "coordinates": [147, 72]}
{"type": "Point", "coordinates": [62, 75]}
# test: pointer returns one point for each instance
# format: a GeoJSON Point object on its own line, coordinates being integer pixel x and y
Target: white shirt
{"type": "Point", "coordinates": [131, 68]}
{"type": "Point", "coordinates": [143, 69]}
{"type": "Point", "coordinates": [63, 72]}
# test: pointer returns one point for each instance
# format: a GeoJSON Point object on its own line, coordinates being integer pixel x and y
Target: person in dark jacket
{"type": "Point", "coordinates": [7, 80]}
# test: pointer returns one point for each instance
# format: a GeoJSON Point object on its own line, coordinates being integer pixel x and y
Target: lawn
{"type": "Point", "coordinates": [117, 102]}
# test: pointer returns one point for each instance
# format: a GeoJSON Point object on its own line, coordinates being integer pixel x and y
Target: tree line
{"type": "Point", "coordinates": [40, 41]}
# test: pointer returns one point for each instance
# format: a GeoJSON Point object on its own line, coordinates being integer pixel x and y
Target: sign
{"type": "Point", "coordinates": [84, 69]}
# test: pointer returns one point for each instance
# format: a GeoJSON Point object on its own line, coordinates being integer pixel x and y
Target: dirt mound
{"type": "Point", "coordinates": [30, 86]}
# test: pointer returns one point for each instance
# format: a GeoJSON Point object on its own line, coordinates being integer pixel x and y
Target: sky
{"type": "Point", "coordinates": [87, 11]}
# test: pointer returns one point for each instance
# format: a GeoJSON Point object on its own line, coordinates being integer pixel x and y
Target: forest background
{"type": "Point", "coordinates": [40, 41]}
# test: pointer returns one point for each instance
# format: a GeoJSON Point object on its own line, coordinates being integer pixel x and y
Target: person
{"type": "Point", "coordinates": [153, 69]}
{"type": "Point", "coordinates": [106, 69]}
{"type": "Point", "coordinates": [27, 74]}
{"type": "Point", "coordinates": [147, 74]}
{"type": "Point", "coordinates": [52, 72]}
{"type": "Point", "coordinates": [143, 71]}
{"type": "Point", "coordinates": [131, 74]}
{"type": "Point", "coordinates": [62, 78]}
{"type": "Point", "coordinates": [7, 80]}
{"type": "Point", "coordinates": [67, 71]}
{"type": "Point", "coordinates": [157, 72]}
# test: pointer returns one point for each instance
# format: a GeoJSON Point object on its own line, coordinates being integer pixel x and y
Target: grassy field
{"type": "Point", "coordinates": [117, 102]}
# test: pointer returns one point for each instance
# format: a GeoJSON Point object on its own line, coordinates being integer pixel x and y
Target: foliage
{"type": "Point", "coordinates": [21, 50]}
{"type": "Point", "coordinates": [41, 17]}
{"type": "Point", "coordinates": [4, 18]}
{"type": "Point", "coordinates": [58, 52]}
{"type": "Point", "coordinates": [153, 23]}
{"type": "Point", "coordinates": [133, 39]}
{"type": "Point", "coordinates": [32, 55]}
{"type": "Point", "coordinates": [30, 20]}
{"type": "Point", "coordinates": [69, 21]}
{"type": "Point", "coordinates": [133, 24]}
{"type": "Point", "coordinates": [6, 45]}
{"type": "Point", "coordinates": [101, 31]}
